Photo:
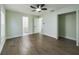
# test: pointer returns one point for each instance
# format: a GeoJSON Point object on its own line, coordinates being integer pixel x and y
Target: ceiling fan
{"type": "Point", "coordinates": [38, 7]}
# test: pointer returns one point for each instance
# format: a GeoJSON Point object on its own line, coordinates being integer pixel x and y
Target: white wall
{"type": "Point", "coordinates": [2, 27]}
{"type": "Point", "coordinates": [50, 25]}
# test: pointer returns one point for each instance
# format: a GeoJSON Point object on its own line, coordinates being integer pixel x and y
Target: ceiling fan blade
{"type": "Point", "coordinates": [42, 5]}
{"type": "Point", "coordinates": [44, 9]}
{"type": "Point", "coordinates": [37, 5]}
{"type": "Point", "coordinates": [33, 7]}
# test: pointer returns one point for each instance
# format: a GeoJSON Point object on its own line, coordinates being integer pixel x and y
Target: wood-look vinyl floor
{"type": "Point", "coordinates": [38, 44]}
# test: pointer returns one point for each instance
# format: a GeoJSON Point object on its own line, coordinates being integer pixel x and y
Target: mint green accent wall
{"type": "Point", "coordinates": [67, 25]}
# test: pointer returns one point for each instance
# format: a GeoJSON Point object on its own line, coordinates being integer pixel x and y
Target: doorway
{"type": "Point", "coordinates": [67, 25]}
{"type": "Point", "coordinates": [37, 24]}
{"type": "Point", "coordinates": [25, 25]}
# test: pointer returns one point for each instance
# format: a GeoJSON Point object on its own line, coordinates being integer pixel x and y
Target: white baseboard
{"type": "Point", "coordinates": [9, 37]}
{"type": "Point", "coordinates": [71, 38]}
{"type": "Point", "coordinates": [77, 43]}
{"type": "Point", "coordinates": [1, 45]}
{"type": "Point", "coordinates": [49, 35]}
{"type": "Point", "coordinates": [14, 36]}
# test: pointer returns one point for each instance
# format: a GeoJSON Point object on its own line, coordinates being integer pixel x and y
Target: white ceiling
{"type": "Point", "coordinates": [25, 8]}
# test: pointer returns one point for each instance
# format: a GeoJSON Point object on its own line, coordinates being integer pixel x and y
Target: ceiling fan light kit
{"type": "Point", "coordinates": [38, 9]}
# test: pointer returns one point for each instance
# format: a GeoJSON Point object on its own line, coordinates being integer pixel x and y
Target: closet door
{"type": "Point", "coordinates": [77, 28]}
{"type": "Point", "coordinates": [77, 36]}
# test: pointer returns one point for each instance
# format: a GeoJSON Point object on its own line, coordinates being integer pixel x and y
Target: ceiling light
{"type": "Point", "coordinates": [38, 9]}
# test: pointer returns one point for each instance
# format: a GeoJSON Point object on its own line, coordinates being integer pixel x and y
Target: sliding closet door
{"type": "Point", "coordinates": [77, 27]}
